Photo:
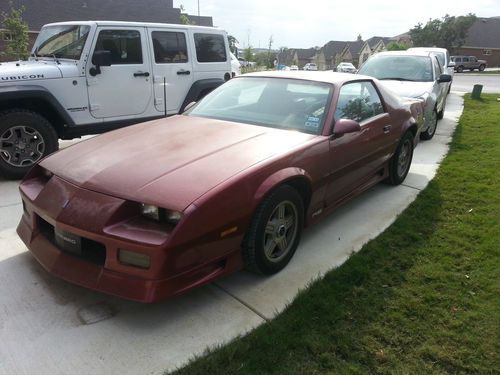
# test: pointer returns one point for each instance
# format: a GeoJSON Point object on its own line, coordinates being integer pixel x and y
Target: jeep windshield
{"type": "Point", "coordinates": [282, 103]}
{"type": "Point", "coordinates": [61, 42]}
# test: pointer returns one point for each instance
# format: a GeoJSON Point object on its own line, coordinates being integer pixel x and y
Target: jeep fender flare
{"type": "Point", "coordinates": [198, 87]}
{"type": "Point", "coordinates": [26, 92]}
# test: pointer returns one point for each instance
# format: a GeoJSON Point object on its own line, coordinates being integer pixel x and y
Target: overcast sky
{"type": "Point", "coordinates": [309, 23]}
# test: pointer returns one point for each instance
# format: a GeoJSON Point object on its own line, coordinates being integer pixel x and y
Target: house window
{"type": "Point", "coordinates": [7, 37]}
{"type": "Point", "coordinates": [487, 52]}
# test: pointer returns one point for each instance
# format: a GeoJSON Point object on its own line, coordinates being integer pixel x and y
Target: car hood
{"type": "Point", "coordinates": [28, 71]}
{"type": "Point", "coordinates": [408, 88]}
{"type": "Point", "coordinates": [170, 161]}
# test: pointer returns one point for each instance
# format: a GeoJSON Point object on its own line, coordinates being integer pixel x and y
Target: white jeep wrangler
{"type": "Point", "coordinates": [91, 77]}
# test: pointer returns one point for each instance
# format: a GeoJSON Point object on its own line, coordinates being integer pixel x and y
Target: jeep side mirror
{"type": "Point", "coordinates": [444, 78]}
{"type": "Point", "coordinates": [100, 58]}
{"type": "Point", "coordinates": [344, 126]}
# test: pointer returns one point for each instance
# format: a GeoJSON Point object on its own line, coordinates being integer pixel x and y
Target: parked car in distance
{"type": "Point", "coordinates": [416, 75]}
{"type": "Point", "coordinates": [310, 66]}
{"type": "Point", "coordinates": [444, 58]}
{"type": "Point", "coordinates": [294, 67]}
{"type": "Point", "coordinates": [468, 63]}
{"type": "Point", "coordinates": [346, 67]}
{"type": "Point", "coordinates": [229, 184]}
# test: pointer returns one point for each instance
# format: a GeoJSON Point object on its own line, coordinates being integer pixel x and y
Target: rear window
{"type": "Point", "coordinates": [210, 48]}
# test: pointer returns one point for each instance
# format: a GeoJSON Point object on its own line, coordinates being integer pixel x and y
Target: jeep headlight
{"type": "Point", "coordinates": [159, 214]}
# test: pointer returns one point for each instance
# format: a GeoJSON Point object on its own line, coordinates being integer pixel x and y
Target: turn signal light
{"type": "Point", "coordinates": [131, 258]}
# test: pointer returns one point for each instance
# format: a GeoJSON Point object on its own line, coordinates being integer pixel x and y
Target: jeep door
{"type": "Point", "coordinates": [125, 87]}
{"type": "Point", "coordinates": [172, 65]}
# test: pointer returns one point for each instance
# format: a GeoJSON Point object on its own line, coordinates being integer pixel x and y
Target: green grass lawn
{"type": "Point", "coordinates": [422, 298]}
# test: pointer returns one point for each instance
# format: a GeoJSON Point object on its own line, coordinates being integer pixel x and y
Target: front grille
{"type": "Point", "coordinates": [92, 251]}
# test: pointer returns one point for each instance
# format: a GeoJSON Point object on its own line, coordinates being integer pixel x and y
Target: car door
{"type": "Point", "coordinates": [123, 89]}
{"type": "Point", "coordinates": [172, 65]}
{"type": "Point", "coordinates": [357, 158]}
{"type": "Point", "coordinates": [439, 89]}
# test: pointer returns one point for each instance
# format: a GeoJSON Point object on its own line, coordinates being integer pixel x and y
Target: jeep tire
{"type": "Point", "coordinates": [25, 138]}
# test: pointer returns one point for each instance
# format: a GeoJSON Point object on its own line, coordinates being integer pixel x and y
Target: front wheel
{"type": "Point", "coordinates": [431, 128]}
{"type": "Point", "coordinates": [274, 232]}
{"type": "Point", "coordinates": [460, 69]}
{"type": "Point", "coordinates": [482, 67]}
{"type": "Point", "coordinates": [25, 138]}
{"type": "Point", "coordinates": [401, 160]}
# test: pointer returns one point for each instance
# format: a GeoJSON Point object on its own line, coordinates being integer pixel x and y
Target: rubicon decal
{"type": "Point", "coordinates": [24, 77]}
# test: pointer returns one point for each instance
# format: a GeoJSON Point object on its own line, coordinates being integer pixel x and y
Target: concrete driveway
{"type": "Point", "coordinates": [48, 326]}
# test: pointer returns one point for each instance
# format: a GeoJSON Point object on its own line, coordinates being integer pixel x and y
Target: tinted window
{"type": "Point", "coordinates": [124, 45]}
{"type": "Point", "coordinates": [399, 67]}
{"type": "Point", "coordinates": [169, 47]}
{"type": "Point", "coordinates": [358, 101]}
{"type": "Point", "coordinates": [465, 59]}
{"type": "Point", "coordinates": [210, 48]}
{"type": "Point", "coordinates": [271, 102]}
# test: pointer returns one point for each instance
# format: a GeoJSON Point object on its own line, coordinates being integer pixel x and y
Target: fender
{"type": "Point", "coordinates": [34, 92]}
{"type": "Point", "coordinates": [278, 178]}
{"type": "Point", "coordinates": [198, 87]}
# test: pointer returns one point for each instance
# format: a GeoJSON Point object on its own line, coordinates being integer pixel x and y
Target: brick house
{"type": "Point", "coordinates": [40, 12]}
{"type": "Point", "coordinates": [483, 41]}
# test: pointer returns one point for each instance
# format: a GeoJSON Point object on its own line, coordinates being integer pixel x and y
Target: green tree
{"type": "Point", "coordinates": [183, 18]}
{"type": "Point", "coordinates": [397, 46]}
{"type": "Point", "coordinates": [449, 32]}
{"type": "Point", "coordinates": [248, 55]}
{"type": "Point", "coordinates": [232, 43]}
{"type": "Point", "coordinates": [17, 28]}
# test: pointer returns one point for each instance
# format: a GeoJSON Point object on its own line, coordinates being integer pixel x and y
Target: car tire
{"type": "Point", "coordinates": [25, 138]}
{"type": "Point", "coordinates": [274, 232]}
{"type": "Point", "coordinates": [431, 130]}
{"type": "Point", "coordinates": [400, 163]}
{"type": "Point", "coordinates": [460, 69]}
{"type": "Point", "coordinates": [482, 67]}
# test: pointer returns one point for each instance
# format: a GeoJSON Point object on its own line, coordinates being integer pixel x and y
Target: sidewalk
{"type": "Point", "coordinates": [48, 326]}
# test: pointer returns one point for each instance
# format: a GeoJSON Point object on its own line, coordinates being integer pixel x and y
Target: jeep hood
{"type": "Point", "coordinates": [171, 161]}
{"type": "Point", "coordinates": [28, 71]}
{"type": "Point", "coordinates": [408, 88]}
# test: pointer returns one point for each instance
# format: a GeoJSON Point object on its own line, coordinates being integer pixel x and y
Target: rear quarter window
{"type": "Point", "coordinates": [210, 48]}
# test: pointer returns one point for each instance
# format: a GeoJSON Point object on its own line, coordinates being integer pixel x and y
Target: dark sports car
{"type": "Point", "coordinates": [153, 210]}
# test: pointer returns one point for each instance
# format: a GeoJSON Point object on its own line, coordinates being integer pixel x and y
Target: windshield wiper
{"type": "Point", "coordinates": [397, 79]}
{"type": "Point", "coordinates": [56, 60]}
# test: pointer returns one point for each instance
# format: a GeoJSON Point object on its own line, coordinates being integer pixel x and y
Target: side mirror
{"type": "Point", "coordinates": [444, 78]}
{"type": "Point", "coordinates": [344, 126]}
{"type": "Point", "coordinates": [100, 58]}
{"type": "Point", "coordinates": [451, 64]}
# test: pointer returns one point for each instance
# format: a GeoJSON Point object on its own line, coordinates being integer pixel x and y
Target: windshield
{"type": "Point", "coordinates": [271, 102]}
{"type": "Point", "coordinates": [63, 41]}
{"type": "Point", "coordinates": [404, 68]}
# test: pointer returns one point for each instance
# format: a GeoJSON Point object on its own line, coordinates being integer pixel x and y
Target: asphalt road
{"type": "Point", "coordinates": [49, 326]}
{"type": "Point", "coordinates": [464, 82]}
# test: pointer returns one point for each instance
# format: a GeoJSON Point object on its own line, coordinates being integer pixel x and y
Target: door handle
{"type": "Point", "coordinates": [141, 74]}
{"type": "Point", "coordinates": [387, 129]}
{"type": "Point", "coordinates": [183, 72]}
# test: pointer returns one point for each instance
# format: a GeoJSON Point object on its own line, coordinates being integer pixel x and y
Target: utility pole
{"type": "Point", "coordinates": [198, 8]}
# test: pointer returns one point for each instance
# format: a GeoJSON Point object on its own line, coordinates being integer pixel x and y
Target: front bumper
{"type": "Point", "coordinates": [99, 220]}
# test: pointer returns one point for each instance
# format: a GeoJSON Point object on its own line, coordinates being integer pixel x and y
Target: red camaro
{"type": "Point", "coordinates": [155, 209]}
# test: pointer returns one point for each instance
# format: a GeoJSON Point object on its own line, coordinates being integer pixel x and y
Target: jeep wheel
{"type": "Point", "coordinates": [481, 67]}
{"type": "Point", "coordinates": [25, 138]}
{"type": "Point", "coordinates": [460, 69]}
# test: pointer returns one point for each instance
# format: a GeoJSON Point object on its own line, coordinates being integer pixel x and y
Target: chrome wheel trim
{"type": "Point", "coordinates": [404, 158]}
{"type": "Point", "coordinates": [280, 231]}
{"type": "Point", "coordinates": [432, 124]}
{"type": "Point", "coordinates": [21, 146]}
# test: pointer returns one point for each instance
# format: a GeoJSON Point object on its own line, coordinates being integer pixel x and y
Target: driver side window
{"type": "Point", "coordinates": [358, 101]}
{"type": "Point", "coordinates": [124, 46]}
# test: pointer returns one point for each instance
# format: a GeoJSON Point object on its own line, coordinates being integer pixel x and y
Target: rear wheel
{"type": "Point", "coordinates": [431, 129]}
{"type": "Point", "coordinates": [274, 232]}
{"type": "Point", "coordinates": [25, 138]}
{"type": "Point", "coordinates": [401, 160]}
